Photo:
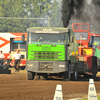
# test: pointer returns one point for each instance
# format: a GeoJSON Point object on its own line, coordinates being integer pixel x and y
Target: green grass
{"type": "Point", "coordinates": [98, 98]}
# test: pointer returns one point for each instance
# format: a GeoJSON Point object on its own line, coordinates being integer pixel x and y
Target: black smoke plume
{"type": "Point", "coordinates": [81, 10]}
{"type": "Point", "coordinates": [67, 11]}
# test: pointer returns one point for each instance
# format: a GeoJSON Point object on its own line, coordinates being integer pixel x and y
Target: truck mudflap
{"type": "Point", "coordinates": [46, 66]}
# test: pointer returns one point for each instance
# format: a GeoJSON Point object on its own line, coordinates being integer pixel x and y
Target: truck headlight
{"type": "Point", "coordinates": [30, 65]}
{"type": "Point", "coordinates": [61, 65]}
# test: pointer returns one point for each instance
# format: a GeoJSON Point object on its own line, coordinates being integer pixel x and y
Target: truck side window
{"type": "Point", "coordinates": [68, 36]}
{"type": "Point", "coordinates": [91, 40]}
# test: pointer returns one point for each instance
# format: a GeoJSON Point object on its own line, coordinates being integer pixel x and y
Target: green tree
{"type": "Point", "coordinates": [56, 14]}
{"type": "Point", "coordinates": [12, 8]}
{"type": "Point", "coordinates": [24, 9]}
{"type": "Point", "coordinates": [38, 9]}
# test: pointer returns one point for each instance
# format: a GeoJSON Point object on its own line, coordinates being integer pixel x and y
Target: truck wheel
{"type": "Point", "coordinates": [94, 66]}
{"type": "Point", "coordinates": [94, 71]}
{"type": "Point", "coordinates": [75, 72]}
{"type": "Point", "coordinates": [94, 74]}
{"type": "Point", "coordinates": [30, 75]}
{"type": "Point", "coordinates": [69, 71]}
{"type": "Point", "coordinates": [65, 76]}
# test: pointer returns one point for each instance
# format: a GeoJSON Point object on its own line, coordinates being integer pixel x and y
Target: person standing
{"type": "Point", "coordinates": [17, 57]}
{"type": "Point", "coordinates": [1, 57]}
{"type": "Point", "coordinates": [9, 58]}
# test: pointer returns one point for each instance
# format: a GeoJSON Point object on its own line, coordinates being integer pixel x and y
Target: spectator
{"type": "Point", "coordinates": [9, 59]}
{"type": "Point", "coordinates": [17, 57]}
{"type": "Point", "coordinates": [1, 57]}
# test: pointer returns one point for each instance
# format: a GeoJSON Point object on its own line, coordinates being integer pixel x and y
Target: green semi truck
{"type": "Point", "coordinates": [51, 52]}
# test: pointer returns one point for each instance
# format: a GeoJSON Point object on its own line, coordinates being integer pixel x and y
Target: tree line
{"type": "Point", "coordinates": [29, 9]}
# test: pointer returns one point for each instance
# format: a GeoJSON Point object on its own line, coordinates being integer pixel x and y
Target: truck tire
{"type": "Point", "coordinates": [75, 72]}
{"type": "Point", "coordinates": [94, 75]}
{"type": "Point", "coordinates": [94, 66]}
{"type": "Point", "coordinates": [30, 75]}
{"type": "Point", "coordinates": [65, 76]}
{"type": "Point", "coordinates": [69, 72]}
{"type": "Point", "coordinates": [95, 71]}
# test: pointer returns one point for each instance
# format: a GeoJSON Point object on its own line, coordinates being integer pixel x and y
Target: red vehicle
{"type": "Point", "coordinates": [7, 43]}
{"type": "Point", "coordinates": [82, 34]}
{"type": "Point", "coordinates": [87, 61]}
{"type": "Point", "coordinates": [82, 29]}
{"type": "Point", "coordinates": [18, 44]}
{"type": "Point", "coordinates": [6, 40]}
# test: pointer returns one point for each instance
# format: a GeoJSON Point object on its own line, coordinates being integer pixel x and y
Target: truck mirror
{"type": "Point", "coordinates": [71, 39]}
{"type": "Point", "coordinates": [23, 37]}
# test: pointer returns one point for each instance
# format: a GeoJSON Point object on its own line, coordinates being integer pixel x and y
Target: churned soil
{"type": "Point", "coordinates": [15, 86]}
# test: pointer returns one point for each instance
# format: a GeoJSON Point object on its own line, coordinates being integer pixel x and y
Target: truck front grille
{"type": "Point", "coordinates": [45, 55]}
{"type": "Point", "coordinates": [45, 66]}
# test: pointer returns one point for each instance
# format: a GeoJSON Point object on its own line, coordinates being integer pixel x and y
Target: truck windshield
{"type": "Point", "coordinates": [96, 41]}
{"type": "Point", "coordinates": [81, 35]}
{"type": "Point", "coordinates": [47, 38]}
{"type": "Point", "coordinates": [18, 46]}
{"type": "Point", "coordinates": [14, 46]}
{"type": "Point", "coordinates": [22, 46]}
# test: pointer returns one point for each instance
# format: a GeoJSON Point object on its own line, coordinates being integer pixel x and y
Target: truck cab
{"type": "Point", "coordinates": [95, 41]}
{"type": "Point", "coordinates": [87, 61]}
{"type": "Point", "coordinates": [82, 33]}
{"type": "Point", "coordinates": [18, 44]}
{"type": "Point", "coordinates": [51, 52]}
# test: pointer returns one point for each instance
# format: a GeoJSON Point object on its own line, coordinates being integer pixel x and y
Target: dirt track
{"type": "Point", "coordinates": [15, 86]}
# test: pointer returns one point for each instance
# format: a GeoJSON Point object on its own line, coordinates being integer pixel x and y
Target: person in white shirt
{"type": "Point", "coordinates": [9, 59]}
{"type": "Point", "coordinates": [1, 57]}
{"type": "Point", "coordinates": [17, 57]}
